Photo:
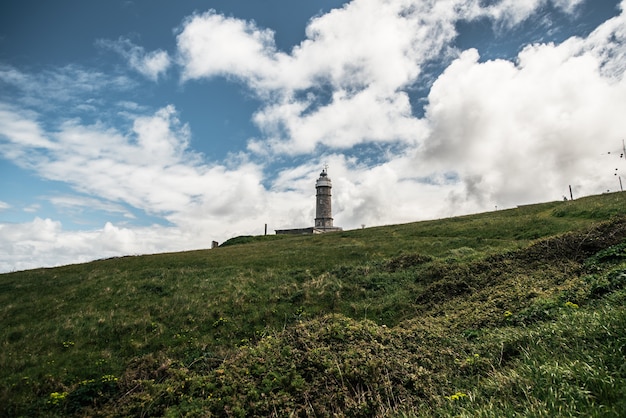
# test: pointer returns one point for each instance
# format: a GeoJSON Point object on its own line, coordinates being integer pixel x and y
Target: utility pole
{"type": "Point", "coordinates": [621, 188]}
{"type": "Point", "coordinates": [571, 196]}
{"type": "Point", "coordinates": [616, 170]}
{"type": "Point", "coordinates": [616, 174]}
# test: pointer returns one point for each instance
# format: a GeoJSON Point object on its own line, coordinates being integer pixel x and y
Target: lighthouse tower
{"type": "Point", "coordinates": [323, 210]}
{"type": "Point", "coordinates": [323, 204]}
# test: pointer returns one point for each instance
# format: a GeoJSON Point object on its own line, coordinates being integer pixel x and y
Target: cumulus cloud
{"type": "Point", "coordinates": [44, 242]}
{"type": "Point", "coordinates": [345, 84]}
{"type": "Point", "coordinates": [211, 44]}
{"type": "Point", "coordinates": [151, 64]}
{"type": "Point", "coordinates": [525, 130]}
{"type": "Point", "coordinates": [348, 120]}
{"type": "Point", "coordinates": [364, 53]}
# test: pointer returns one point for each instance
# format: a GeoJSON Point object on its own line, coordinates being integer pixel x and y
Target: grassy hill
{"type": "Point", "coordinates": [511, 313]}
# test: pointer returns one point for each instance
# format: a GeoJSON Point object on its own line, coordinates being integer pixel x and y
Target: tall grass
{"type": "Point", "coordinates": [377, 321]}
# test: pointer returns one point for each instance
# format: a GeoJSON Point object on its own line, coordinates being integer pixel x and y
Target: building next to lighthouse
{"type": "Point", "coordinates": [323, 209]}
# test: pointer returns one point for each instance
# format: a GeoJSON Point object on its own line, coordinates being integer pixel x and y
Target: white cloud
{"type": "Point", "coordinates": [81, 203]}
{"type": "Point", "coordinates": [509, 13]}
{"type": "Point", "coordinates": [345, 84]}
{"type": "Point", "coordinates": [22, 130]}
{"type": "Point", "coordinates": [347, 121]}
{"type": "Point", "coordinates": [4, 206]}
{"type": "Point", "coordinates": [32, 208]}
{"type": "Point", "coordinates": [149, 167]}
{"type": "Point", "coordinates": [525, 131]}
{"type": "Point", "coordinates": [66, 85]}
{"type": "Point", "coordinates": [211, 44]}
{"type": "Point", "coordinates": [152, 64]}
{"type": "Point", "coordinates": [608, 44]}
{"type": "Point", "coordinates": [44, 242]}
{"type": "Point", "coordinates": [365, 53]}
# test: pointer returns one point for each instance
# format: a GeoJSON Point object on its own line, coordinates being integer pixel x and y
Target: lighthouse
{"type": "Point", "coordinates": [323, 209]}
{"type": "Point", "coordinates": [323, 202]}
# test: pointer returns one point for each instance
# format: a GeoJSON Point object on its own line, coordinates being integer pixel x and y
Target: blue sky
{"type": "Point", "coordinates": [134, 127]}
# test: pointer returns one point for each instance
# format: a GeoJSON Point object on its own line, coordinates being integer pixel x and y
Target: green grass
{"type": "Point", "coordinates": [511, 313]}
